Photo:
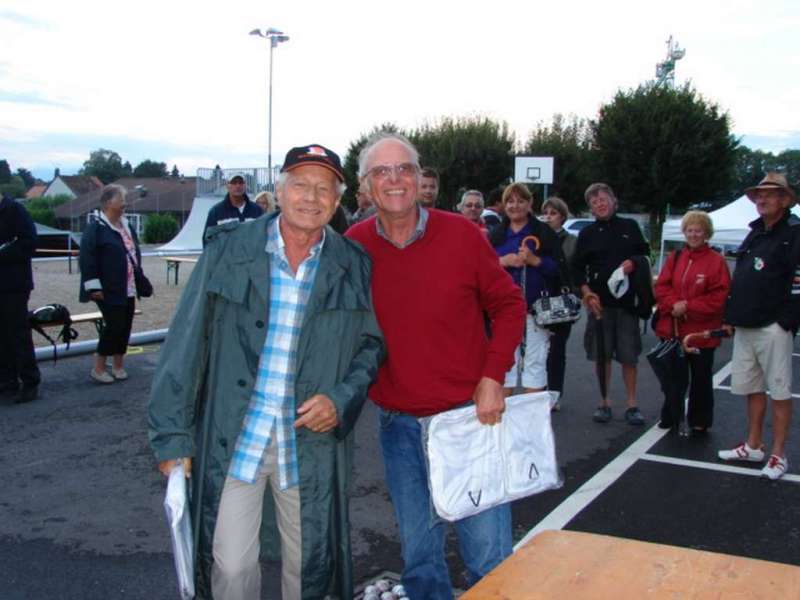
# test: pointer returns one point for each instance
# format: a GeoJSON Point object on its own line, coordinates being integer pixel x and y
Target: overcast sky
{"type": "Point", "coordinates": [183, 82]}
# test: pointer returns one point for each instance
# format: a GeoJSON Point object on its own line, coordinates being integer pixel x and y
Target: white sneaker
{"type": "Point", "coordinates": [103, 377]}
{"type": "Point", "coordinates": [742, 452]}
{"type": "Point", "coordinates": [775, 468]}
{"type": "Point", "coordinates": [119, 375]}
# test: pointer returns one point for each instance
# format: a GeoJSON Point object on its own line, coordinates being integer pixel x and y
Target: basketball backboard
{"type": "Point", "coordinates": [534, 169]}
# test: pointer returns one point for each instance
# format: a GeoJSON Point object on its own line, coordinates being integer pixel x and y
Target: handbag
{"type": "Point", "coordinates": [144, 289]}
{"type": "Point", "coordinates": [474, 467]}
{"type": "Point", "coordinates": [564, 308]}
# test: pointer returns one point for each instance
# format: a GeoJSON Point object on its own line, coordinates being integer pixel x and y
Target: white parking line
{"type": "Point", "coordinates": [595, 486]}
{"type": "Point", "coordinates": [722, 467]}
{"type": "Point", "coordinates": [590, 490]}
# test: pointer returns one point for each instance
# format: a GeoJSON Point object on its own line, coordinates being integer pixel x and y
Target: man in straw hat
{"type": "Point", "coordinates": [764, 307]}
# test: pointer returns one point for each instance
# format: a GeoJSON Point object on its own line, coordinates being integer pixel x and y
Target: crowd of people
{"type": "Point", "coordinates": [290, 348]}
{"type": "Point", "coordinates": [288, 326]}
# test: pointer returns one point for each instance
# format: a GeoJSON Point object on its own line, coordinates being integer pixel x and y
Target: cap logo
{"type": "Point", "coordinates": [316, 151]}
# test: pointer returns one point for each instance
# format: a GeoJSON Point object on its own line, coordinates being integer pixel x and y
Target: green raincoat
{"type": "Point", "coordinates": [207, 370]}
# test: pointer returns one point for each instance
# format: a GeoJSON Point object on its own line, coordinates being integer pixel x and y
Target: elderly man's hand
{"type": "Point", "coordinates": [628, 266]}
{"type": "Point", "coordinates": [166, 466]}
{"type": "Point", "coordinates": [318, 414]}
{"type": "Point", "coordinates": [489, 401]}
{"type": "Point", "coordinates": [98, 295]}
{"type": "Point", "coordinates": [592, 302]}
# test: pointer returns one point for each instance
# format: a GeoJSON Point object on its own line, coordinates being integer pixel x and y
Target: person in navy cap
{"type": "Point", "coordinates": [261, 383]}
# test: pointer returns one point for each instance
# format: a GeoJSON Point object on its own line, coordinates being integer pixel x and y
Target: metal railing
{"type": "Point", "coordinates": [213, 182]}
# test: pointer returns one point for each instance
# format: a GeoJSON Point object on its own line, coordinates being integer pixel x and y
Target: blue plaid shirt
{"type": "Point", "coordinates": [272, 409]}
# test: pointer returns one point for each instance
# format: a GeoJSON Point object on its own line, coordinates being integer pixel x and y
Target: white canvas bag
{"type": "Point", "coordinates": [474, 467]}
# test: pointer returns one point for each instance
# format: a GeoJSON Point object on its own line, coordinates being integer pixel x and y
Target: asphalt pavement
{"type": "Point", "coordinates": [81, 513]}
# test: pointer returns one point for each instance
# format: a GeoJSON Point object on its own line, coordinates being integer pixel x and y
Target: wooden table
{"type": "Point", "coordinates": [570, 565]}
{"type": "Point", "coordinates": [70, 253]}
{"type": "Point", "coordinates": [174, 264]}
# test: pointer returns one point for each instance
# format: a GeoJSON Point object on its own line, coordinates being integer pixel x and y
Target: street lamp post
{"type": "Point", "coordinates": [275, 37]}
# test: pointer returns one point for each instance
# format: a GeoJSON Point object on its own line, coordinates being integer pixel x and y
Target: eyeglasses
{"type": "Point", "coordinates": [401, 170]}
{"type": "Point", "coordinates": [473, 206]}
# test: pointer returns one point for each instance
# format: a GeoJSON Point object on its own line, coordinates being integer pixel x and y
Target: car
{"type": "Point", "coordinates": [574, 226]}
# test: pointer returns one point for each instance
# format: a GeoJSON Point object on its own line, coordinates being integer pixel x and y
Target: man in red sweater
{"type": "Point", "coordinates": [434, 278]}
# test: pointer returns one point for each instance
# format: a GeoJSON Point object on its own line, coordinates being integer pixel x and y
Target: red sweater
{"type": "Point", "coordinates": [430, 298]}
{"type": "Point", "coordinates": [701, 278]}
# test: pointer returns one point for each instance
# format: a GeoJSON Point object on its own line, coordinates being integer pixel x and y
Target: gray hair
{"type": "Point", "coordinates": [468, 193]}
{"type": "Point", "coordinates": [596, 188]}
{"type": "Point", "coordinates": [377, 138]}
{"type": "Point", "coordinates": [111, 191]}
{"type": "Point", "coordinates": [341, 187]}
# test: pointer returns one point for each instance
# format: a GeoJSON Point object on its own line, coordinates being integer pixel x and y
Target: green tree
{"type": "Point", "coordinates": [5, 172]}
{"type": "Point", "coordinates": [175, 173]}
{"type": "Point", "coordinates": [41, 209]}
{"type": "Point", "coordinates": [750, 167]}
{"type": "Point", "coordinates": [659, 146]}
{"type": "Point", "coordinates": [788, 162]}
{"type": "Point", "coordinates": [160, 229]}
{"type": "Point", "coordinates": [468, 153]}
{"type": "Point", "coordinates": [27, 177]}
{"type": "Point", "coordinates": [150, 168]}
{"type": "Point", "coordinates": [570, 142]}
{"type": "Point", "coordinates": [106, 165]}
{"type": "Point", "coordinates": [14, 188]}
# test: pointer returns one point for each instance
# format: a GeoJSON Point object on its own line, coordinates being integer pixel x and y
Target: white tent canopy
{"type": "Point", "coordinates": [190, 238]}
{"type": "Point", "coordinates": [731, 224]}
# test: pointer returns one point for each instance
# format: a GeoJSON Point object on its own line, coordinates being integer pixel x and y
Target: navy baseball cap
{"type": "Point", "coordinates": [314, 154]}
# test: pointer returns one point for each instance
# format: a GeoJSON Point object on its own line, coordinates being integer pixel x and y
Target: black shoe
{"type": "Point", "coordinates": [27, 394]}
{"type": "Point", "coordinates": [634, 417]}
{"type": "Point", "coordinates": [602, 414]}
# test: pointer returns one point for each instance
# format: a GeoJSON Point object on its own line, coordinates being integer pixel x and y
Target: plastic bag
{"type": "Point", "coordinates": [474, 467]}
{"type": "Point", "coordinates": [176, 504]}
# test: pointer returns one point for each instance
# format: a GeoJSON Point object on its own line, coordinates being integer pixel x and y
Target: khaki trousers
{"type": "Point", "coordinates": [236, 573]}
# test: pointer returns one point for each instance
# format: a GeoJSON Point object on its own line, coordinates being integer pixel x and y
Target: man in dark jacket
{"type": "Point", "coordinates": [764, 307]}
{"type": "Point", "coordinates": [17, 359]}
{"type": "Point", "coordinates": [260, 383]}
{"type": "Point", "coordinates": [235, 206]}
{"type": "Point", "coordinates": [608, 244]}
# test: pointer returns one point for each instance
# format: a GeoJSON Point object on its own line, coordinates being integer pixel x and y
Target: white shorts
{"type": "Point", "coordinates": [534, 370]}
{"type": "Point", "coordinates": [762, 360]}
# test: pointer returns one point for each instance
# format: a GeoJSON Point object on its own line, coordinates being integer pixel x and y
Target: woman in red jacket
{"type": "Point", "coordinates": [692, 288]}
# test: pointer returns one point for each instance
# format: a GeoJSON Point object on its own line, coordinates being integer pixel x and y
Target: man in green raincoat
{"type": "Point", "coordinates": [261, 380]}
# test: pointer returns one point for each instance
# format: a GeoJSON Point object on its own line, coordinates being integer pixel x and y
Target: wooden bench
{"type": "Point", "coordinates": [577, 566]}
{"type": "Point", "coordinates": [174, 264]}
{"type": "Point", "coordinates": [90, 317]}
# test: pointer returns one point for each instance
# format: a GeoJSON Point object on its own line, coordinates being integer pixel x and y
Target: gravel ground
{"type": "Point", "coordinates": [53, 283]}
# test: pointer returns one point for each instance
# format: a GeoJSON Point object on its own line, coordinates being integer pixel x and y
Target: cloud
{"type": "Point", "coordinates": [31, 98]}
{"type": "Point", "coordinates": [24, 20]}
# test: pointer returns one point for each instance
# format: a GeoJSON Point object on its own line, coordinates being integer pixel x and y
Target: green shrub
{"type": "Point", "coordinates": [43, 215]}
{"type": "Point", "coordinates": [160, 229]}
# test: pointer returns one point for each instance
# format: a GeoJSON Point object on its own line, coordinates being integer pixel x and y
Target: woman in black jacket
{"type": "Point", "coordinates": [109, 247]}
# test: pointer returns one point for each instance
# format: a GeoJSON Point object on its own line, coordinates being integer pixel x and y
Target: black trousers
{"type": "Point", "coordinates": [701, 391]}
{"type": "Point", "coordinates": [557, 356]}
{"type": "Point", "coordinates": [17, 359]}
{"type": "Point", "coordinates": [118, 320]}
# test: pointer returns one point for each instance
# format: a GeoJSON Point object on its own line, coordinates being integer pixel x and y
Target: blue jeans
{"type": "Point", "coordinates": [484, 539]}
